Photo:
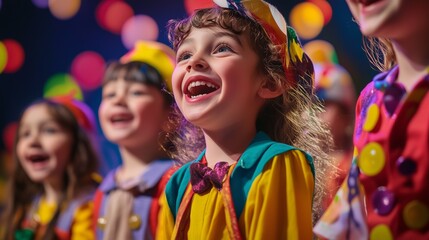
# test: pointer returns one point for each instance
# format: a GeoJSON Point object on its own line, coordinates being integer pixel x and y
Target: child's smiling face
{"type": "Point", "coordinates": [217, 78]}
{"type": "Point", "coordinates": [44, 146]}
{"type": "Point", "coordinates": [132, 113]}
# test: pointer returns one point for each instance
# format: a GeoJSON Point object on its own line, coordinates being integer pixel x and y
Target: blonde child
{"type": "Point", "coordinates": [134, 113]}
{"type": "Point", "coordinates": [52, 183]}
{"type": "Point", "coordinates": [391, 130]}
{"type": "Point", "coordinates": [242, 78]}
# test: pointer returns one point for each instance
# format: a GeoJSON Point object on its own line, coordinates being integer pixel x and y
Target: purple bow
{"type": "Point", "coordinates": [203, 177]}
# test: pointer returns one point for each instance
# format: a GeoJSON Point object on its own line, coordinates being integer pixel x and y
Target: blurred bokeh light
{"type": "Point", "coordinates": [139, 27]}
{"type": "Point", "coordinates": [307, 19]}
{"type": "Point", "coordinates": [112, 15]}
{"type": "Point", "coordinates": [9, 133]}
{"type": "Point", "coordinates": [321, 51]}
{"type": "Point", "coordinates": [14, 56]}
{"type": "Point", "coordinates": [191, 5]}
{"type": "Point", "coordinates": [64, 9]}
{"type": "Point", "coordinates": [326, 9]}
{"type": "Point", "coordinates": [41, 3]}
{"type": "Point", "coordinates": [88, 69]}
{"type": "Point", "coordinates": [3, 56]}
{"type": "Point", "coordinates": [62, 84]}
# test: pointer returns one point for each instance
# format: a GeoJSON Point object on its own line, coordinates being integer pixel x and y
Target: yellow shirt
{"type": "Point", "coordinates": [278, 206]}
{"type": "Point", "coordinates": [81, 228]}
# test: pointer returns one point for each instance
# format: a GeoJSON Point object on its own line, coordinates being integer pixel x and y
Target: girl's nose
{"type": "Point", "coordinates": [34, 139]}
{"type": "Point", "coordinates": [120, 99]}
{"type": "Point", "coordinates": [197, 63]}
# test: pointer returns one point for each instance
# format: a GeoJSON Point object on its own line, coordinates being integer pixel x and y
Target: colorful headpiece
{"type": "Point", "coordinates": [157, 55]}
{"type": "Point", "coordinates": [334, 83]}
{"type": "Point", "coordinates": [297, 65]}
{"type": "Point", "coordinates": [82, 112]}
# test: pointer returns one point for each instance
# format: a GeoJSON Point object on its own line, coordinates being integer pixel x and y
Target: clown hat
{"type": "Point", "coordinates": [157, 55]}
{"type": "Point", "coordinates": [82, 112]}
{"type": "Point", "coordinates": [334, 83]}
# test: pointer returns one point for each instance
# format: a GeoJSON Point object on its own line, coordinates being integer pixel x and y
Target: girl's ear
{"type": "Point", "coordinates": [269, 90]}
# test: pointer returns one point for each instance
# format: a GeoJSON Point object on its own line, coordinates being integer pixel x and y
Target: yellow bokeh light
{"type": "Point", "coordinates": [64, 9]}
{"type": "Point", "coordinates": [3, 56]}
{"type": "Point", "coordinates": [307, 19]}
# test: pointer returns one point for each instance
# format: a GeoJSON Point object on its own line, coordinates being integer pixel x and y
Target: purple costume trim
{"type": "Point", "coordinates": [148, 180]}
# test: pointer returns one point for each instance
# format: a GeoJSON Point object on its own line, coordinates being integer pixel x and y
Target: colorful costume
{"type": "Point", "coordinates": [145, 193]}
{"type": "Point", "coordinates": [73, 223]}
{"type": "Point", "coordinates": [267, 194]}
{"type": "Point", "coordinates": [392, 144]}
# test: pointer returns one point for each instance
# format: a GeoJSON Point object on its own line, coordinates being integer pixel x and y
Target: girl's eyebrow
{"type": "Point", "coordinates": [216, 35]}
{"type": "Point", "coordinates": [228, 34]}
{"type": "Point", "coordinates": [40, 124]}
{"type": "Point", "coordinates": [49, 121]}
{"type": "Point", "coordinates": [22, 127]}
{"type": "Point", "coordinates": [187, 41]}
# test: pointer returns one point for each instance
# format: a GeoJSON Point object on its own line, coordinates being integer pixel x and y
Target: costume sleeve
{"type": "Point", "coordinates": [279, 203]}
{"type": "Point", "coordinates": [165, 220]}
{"type": "Point", "coordinates": [82, 228]}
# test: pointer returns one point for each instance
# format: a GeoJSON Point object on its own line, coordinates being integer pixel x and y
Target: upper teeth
{"type": "Point", "coordinates": [200, 83]}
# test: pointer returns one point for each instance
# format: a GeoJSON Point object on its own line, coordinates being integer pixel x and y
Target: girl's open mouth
{"type": "Point", "coordinates": [199, 88]}
{"type": "Point", "coordinates": [38, 161]}
{"type": "Point", "coordinates": [121, 118]}
{"type": "Point", "coordinates": [367, 2]}
{"type": "Point", "coordinates": [38, 158]}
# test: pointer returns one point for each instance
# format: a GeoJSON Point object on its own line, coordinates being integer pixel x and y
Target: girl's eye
{"type": "Point", "coordinates": [24, 134]}
{"type": "Point", "coordinates": [184, 56]}
{"type": "Point", "coordinates": [108, 95]}
{"type": "Point", "coordinates": [223, 48]}
{"type": "Point", "coordinates": [137, 92]}
{"type": "Point", "coordinates": [49, 129]}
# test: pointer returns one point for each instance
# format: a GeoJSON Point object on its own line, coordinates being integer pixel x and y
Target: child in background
{"type": "Point", "coordinates": [243, 78]}
{"type": "Point", "coordinates": [334, 87]}
{"type": "Point", "coordinates": [134, 114]}
{"type": "Point", "coordinates": [391, 130]}
{"type": "Point", "coordinates": [52, 185]}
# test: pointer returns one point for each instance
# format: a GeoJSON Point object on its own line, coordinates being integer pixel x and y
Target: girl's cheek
{"type": "Point", "coordinates": [102, 110]}
{"type": "Point", "coordinates": [177, 79]}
